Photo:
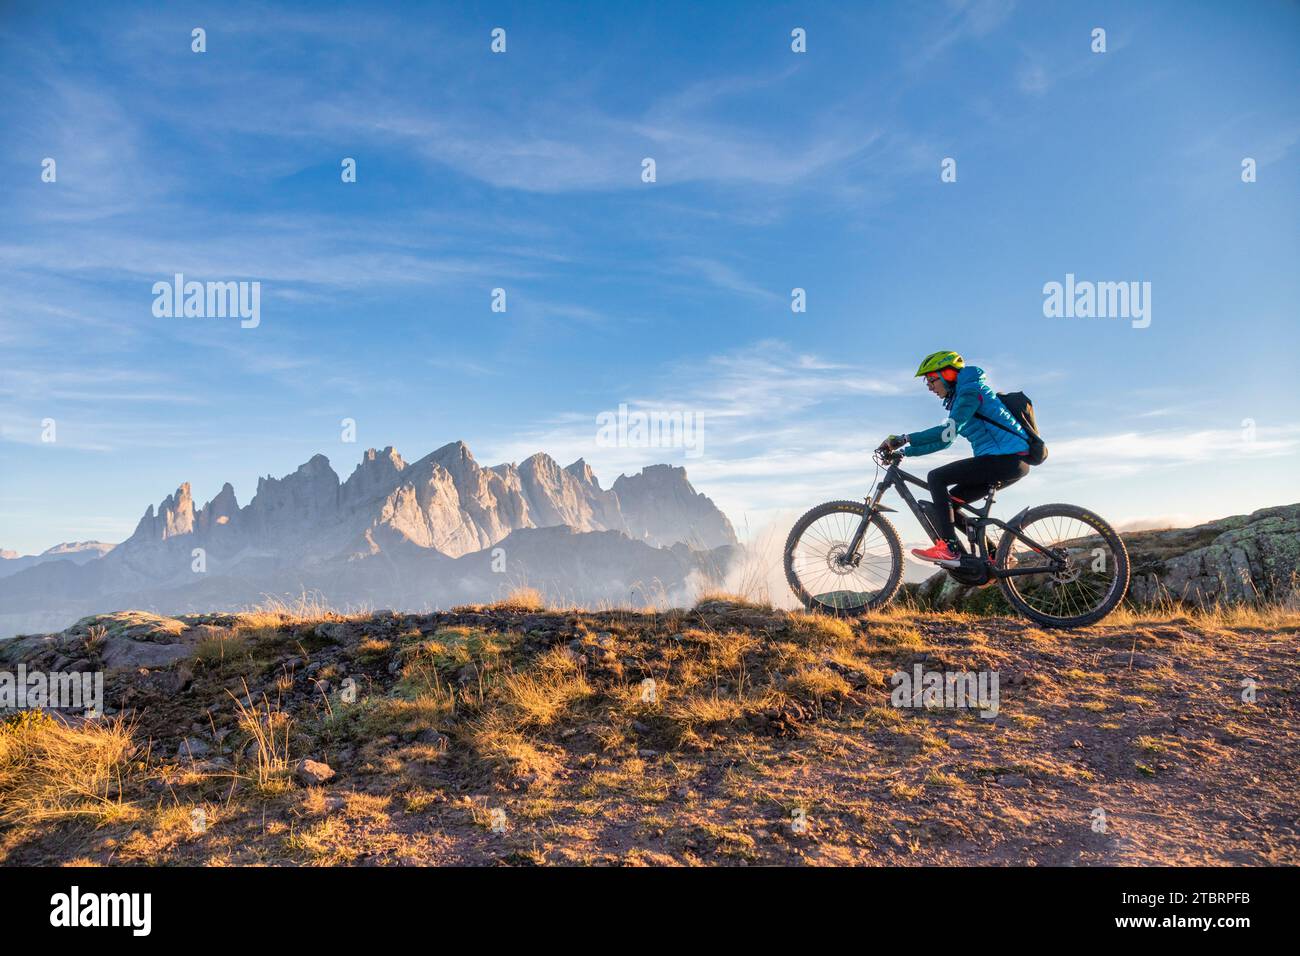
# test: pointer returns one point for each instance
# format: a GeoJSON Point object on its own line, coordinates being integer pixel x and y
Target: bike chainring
{"type": "Point", "coordinates": [972, 572]}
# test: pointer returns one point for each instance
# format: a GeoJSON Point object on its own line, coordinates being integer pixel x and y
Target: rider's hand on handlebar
{"type": "Point", "coordinates": [887, 452]}
{"type": "Point", "coordinates": [892, 443]}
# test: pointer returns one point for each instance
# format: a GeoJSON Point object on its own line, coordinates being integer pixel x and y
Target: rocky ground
{"type": "Point", "coordinates": [515, 735]}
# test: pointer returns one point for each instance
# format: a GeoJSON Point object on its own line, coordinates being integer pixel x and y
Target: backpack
{"type": "Point", "coordinates": [1021, 408]}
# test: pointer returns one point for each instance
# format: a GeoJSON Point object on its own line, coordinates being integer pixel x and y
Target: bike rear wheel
{"type": "Point", "coordinates": [823, 580]}
{"type": "Point", "coordinates": [1083, 580]}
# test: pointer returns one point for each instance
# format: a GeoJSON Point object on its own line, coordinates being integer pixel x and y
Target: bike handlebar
{"type": "Point", "coordinates": [885, 458]}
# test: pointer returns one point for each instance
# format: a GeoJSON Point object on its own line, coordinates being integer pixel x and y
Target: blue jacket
{"type": "Point", "coordinates": [971, 395]}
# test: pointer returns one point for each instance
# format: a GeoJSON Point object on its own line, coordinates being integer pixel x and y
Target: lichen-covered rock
{"type": "Point", "coordinates": [123, 640]}
{"type": "Point", "coordinates": [1242, 558]}
{"type": "Point", "coordinates": [942, 592]}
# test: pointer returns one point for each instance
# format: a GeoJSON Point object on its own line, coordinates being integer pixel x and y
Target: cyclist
{"type": "Point", "coordinates": [978, 415]}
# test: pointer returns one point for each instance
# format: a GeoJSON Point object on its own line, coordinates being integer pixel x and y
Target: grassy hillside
{"type": "Point", "coordinates": [520, 735]}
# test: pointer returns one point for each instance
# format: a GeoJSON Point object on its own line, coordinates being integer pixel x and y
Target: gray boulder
{"type": "Point", "coordinates": [1242, 558]}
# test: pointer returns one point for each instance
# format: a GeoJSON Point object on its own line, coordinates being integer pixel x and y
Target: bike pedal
{"type": "Point", "coordinates": [949, 564]}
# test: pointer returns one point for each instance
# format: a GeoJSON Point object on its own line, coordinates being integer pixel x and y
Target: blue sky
{"type": "Point", "coordinates": [522, 171]}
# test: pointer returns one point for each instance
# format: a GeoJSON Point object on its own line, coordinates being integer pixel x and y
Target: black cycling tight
{"type": "Point", "coordinates": [970, 478]}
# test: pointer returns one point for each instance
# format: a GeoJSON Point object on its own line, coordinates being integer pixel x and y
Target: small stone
{"type": "Point", "coordinates": [214, 765]}
{"type": "Point", "coordinates": [433, 739]}
{"type": "Point", "coordinates": [313, 771]}
{"type": "Point", "coordinates": [1013, 780]}
{"type": "Point", "coordinates": [192, 748]}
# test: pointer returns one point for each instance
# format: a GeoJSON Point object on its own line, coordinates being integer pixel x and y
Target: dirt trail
{"type": "Point", "coordinates": [1125, 743]}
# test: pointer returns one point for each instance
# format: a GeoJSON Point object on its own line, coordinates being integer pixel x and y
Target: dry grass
{"type": "Point", "coordinates": [269, 728]}
{"type": "Point", "coordinates": [728, 597]}
{"type": "Point", "coordinates": [275, 612]}
{"type": "Point", "coordinates": [529, 702]}
{"type": "Point", "coordinates": [50, 770]}
{"type": "Point", "coordinates": [521, 599]}
{"type": "Point", "coordinates": [220, 647]}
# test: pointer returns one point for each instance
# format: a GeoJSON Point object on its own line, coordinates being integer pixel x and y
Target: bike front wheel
{"type": "Point", "coordinates": [822, 574]}
{"type": "Point", "coordinates": [1085, 572]}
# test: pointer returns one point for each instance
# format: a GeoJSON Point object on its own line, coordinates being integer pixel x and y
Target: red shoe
{"type": "Point", "coordinates": [938, 552]}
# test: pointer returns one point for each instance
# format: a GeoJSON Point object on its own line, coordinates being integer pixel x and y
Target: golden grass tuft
{"type": "Point", "coordinates": [535, 702]}
{"type": "Point", "coordinates": [820, 628]}
{"type": "Point", "coordinates": [51, 770]}
{"type": "Point", "coordinates": [726, 597]}
{"type": "Point", "coordinates": [270, 729]}
{"type": "Point", "coordinates": [275, 612]}
{"type": "Point", "coordinates": [221, 647]}
{"type": "Point", "coordinates": [520, 599]}
{"type": "Point", "coordinates": [817, 683]}
{"type": "Point", "coordinates": [901, 635]}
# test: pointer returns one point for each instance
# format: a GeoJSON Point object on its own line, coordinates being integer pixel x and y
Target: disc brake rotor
{"type": "Point", "coordinates": [1068, 574]}
{"type": "Point", "coordinates": [835, 560]}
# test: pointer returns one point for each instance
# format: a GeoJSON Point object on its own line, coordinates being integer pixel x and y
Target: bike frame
{"type": "Point", "coordinates": [898, 479]}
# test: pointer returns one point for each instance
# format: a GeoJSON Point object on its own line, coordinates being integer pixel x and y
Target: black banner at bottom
{"type": "Point", "coordinates": [130, 906]}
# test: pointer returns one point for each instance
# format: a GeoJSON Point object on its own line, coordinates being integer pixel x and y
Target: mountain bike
{"type": "Point", "coordinates": [1061, 565]}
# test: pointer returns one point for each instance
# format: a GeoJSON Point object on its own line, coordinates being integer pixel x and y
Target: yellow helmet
{"type": "Point", "coordinates": [937, 361]}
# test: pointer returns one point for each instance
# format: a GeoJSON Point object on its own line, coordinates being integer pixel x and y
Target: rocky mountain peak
{"type": "Point", "coordinates": [175, 516]}
{"type": "Point", "coordinates": [541, 464]}
{"type": "Point", "coordinates": [376, 474]}
{"type": "Point", "coordinates": [660, 505]}
{"type": "Point", "coordinates": [582, 471]}
{"type": "Point", "coordinates": [456, 452]}
{"type": "Point", "coordinates": [220, 511]}
{"type": "Point", "coordinates": [295, 504]}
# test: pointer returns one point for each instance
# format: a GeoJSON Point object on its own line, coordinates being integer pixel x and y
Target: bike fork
{"type": "Point", "coordinates": [855, 542]}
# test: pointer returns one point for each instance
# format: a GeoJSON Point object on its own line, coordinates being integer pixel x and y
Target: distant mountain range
{"type": "Point", "coordinates": [79, 552]}
{"type": "Point", "coordinates": [437, 531]}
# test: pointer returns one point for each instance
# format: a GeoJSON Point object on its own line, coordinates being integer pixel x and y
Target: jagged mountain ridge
{"type": "Point", "coordinates": [392, 532]}
{"type": "Point", "coordinates": [445, 501]}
